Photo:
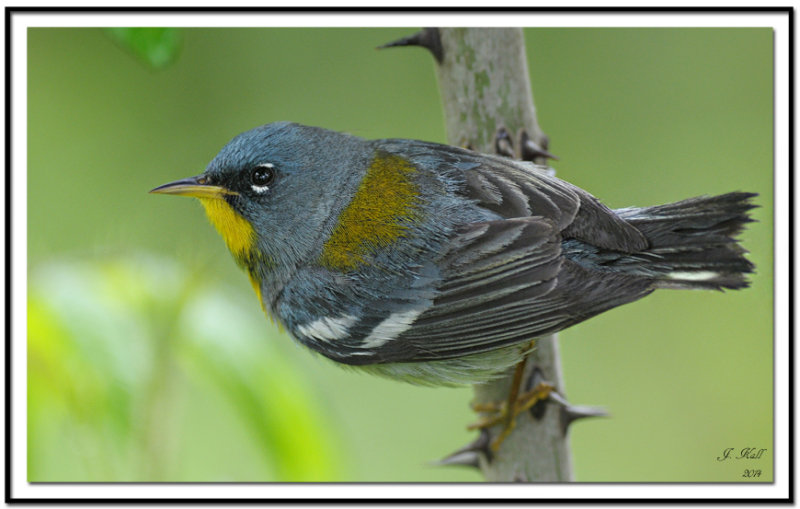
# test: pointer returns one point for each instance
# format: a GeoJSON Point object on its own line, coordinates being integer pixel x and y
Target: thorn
{"type": "Point", "coordinates": [502, 143]}
{"type": "Point", "coordinates": [531, 150]}
{"type": "Point", "coordinates": [427, 38]}
{"type": "Point", "coordinates": [545, 142]}
{"type": "Point", "coordinates": [463, 459]}
{"type": "Point", "coordinates": [469, 455]}
{"type": "Point", "coordinates": [571, 413]}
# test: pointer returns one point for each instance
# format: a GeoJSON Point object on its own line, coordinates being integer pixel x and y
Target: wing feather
{"type": "Point", "coordinates": [493, 275]}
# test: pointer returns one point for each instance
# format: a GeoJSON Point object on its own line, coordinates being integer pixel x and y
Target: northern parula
{"type": "Point", "coordinates": [435, 264]}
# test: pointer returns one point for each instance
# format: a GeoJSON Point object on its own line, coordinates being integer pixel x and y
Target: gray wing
{"type": "Point", "coordinates": [506, 282]}
{"type": "Point", "coordinates": [515, 189]}
{"type": "Point", "coordinates": [492, 279]}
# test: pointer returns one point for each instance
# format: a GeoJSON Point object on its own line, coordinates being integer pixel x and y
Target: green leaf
{"type": "Point", "coordinates": [155, 46]}
{"type": "Point", "coordinates": [127, 360]}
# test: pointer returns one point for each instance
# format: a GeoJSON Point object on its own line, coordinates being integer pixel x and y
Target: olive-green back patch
{"type": "Point", "coordinates": [384, 202]}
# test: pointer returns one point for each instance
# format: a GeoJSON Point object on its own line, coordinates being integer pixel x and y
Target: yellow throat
{"type": "Point", "coordinates": [239, 236]}
{"type": "Point", "coordinates": [235, 230]}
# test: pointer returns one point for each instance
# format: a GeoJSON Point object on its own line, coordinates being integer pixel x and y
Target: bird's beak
{"type": "Point", "coordinates": [193, 186]}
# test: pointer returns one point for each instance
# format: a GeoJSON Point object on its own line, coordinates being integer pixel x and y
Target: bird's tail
{"type": "Point", "coordinates": [692, 242]}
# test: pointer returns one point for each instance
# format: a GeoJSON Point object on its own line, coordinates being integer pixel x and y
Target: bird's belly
{"type": "Point", "coordinates": [466, 370]}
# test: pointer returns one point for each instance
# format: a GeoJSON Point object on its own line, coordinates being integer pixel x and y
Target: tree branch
{"type": "Point", "coordinates": [483, 79]}
{"type": "Point", "coordinates": [488, 106]}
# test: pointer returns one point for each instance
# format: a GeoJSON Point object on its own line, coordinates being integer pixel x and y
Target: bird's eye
{"type": "Point", "coordinates": [261, 177]}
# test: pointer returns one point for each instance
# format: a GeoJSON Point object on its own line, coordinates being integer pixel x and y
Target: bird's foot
{"type": "Point", "coordinates": [506, 414]}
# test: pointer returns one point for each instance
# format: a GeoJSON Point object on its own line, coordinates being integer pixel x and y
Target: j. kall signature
{"type": "Point", "coordinates": [747, 453]}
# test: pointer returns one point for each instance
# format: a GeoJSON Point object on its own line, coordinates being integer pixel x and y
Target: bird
{"type": "Point", "coordinates": [438, 265]}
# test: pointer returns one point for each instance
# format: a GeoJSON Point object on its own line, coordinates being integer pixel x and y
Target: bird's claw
{"type": "Point", "coordinates": [507, 416]}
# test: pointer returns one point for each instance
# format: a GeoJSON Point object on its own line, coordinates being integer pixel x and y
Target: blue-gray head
{"type": "Point", "coordinates": [271, 190]}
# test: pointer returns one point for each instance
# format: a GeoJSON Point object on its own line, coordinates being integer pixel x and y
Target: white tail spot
{"type": "Point", "coordinates": [700, 275]}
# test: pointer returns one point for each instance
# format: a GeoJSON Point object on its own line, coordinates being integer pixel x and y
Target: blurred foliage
{"type": "Point", "coordinates": [139, 371]}
{"type": "Point", "coordinates": [115, 350]}
{"type": "Point", "coordinates": [157, 47]}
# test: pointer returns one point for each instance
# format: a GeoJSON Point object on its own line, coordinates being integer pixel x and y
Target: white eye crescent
{"type": "Point", "coordinates": [261, 176]}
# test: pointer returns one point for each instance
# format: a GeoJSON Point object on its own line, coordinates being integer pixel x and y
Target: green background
{"type": "Point", "coordinates": [149, 358]}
